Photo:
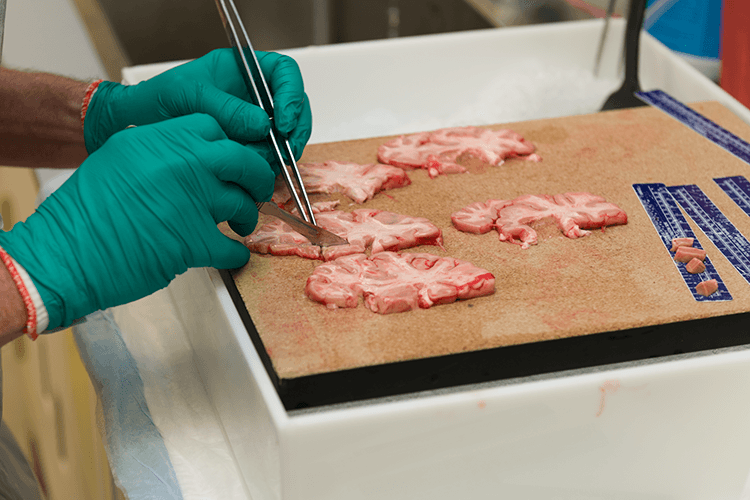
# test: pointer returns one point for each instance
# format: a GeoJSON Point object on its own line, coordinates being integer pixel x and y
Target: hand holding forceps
{"type": "Point", "coordinates": [259, 90]}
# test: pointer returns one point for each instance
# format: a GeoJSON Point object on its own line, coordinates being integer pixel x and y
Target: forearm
{"type": "Point", "coordinates": [40, 120]}
{"type": "Point", "coordinates": [12, 308]}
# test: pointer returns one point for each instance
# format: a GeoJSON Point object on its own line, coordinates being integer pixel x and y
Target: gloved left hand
{"type": "Point", "coordinates": [139, 211]}
{"type": "Point", "coordinates": [212, 84]}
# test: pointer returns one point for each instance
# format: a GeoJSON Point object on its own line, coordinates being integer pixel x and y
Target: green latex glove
{"type": "Point", "coordinates": [213, 85]}
{"type": "Point", "coordinates": [139, 211]}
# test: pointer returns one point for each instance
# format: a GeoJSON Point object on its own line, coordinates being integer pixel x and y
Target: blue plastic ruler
{"type": "Point", "coordinates": [669, 223]}
{"type": "Point", "coordinates": [738, 189]}
{"type": "Point", "coordinates": [696, 121]}
{"type": "Point", "coordinates": [715, 225]}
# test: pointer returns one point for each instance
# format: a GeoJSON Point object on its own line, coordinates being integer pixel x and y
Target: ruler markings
{"type": "Point", "coordinates": [719, 229]}
{"type": "Point", "coordinates": [705, 127]}
{"type": "Point", "coordinates": [715, 225]}
{"type": "Point", "coordinates": [669, 223]}
{"type": "Point", "coordinates": [738, 189]}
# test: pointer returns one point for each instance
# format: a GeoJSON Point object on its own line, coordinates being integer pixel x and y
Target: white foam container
{"type": "Point", "coordinates": [674, 428]}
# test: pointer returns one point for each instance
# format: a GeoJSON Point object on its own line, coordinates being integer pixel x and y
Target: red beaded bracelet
{"type": "Point", "coordinates": [30, 329]}
{"type": "Point", "coordinates": [87, 98]}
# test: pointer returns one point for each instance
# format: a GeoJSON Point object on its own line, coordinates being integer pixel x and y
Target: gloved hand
{"type": "Point", "coordinates": [139, 211]}
{"type": "Point", "coordinates": [212, 84]}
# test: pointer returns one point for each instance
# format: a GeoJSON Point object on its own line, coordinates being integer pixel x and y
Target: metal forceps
{"type": "Point", "coordinates": [256, 83]}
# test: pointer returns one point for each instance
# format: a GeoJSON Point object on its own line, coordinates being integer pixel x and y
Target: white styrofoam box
{"type": "Point", "coordinates": [674, 428]}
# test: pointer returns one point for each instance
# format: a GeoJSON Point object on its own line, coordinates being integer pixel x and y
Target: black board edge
{"type": "Point", "coordinates": [495, 364]}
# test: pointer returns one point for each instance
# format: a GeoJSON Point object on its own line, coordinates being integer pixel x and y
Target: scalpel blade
{"type": "Point", "coordinates": [317, 235]}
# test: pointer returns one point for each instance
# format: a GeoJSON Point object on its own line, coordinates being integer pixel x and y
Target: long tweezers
{"type": "Point", "coordinates": [258, 88]}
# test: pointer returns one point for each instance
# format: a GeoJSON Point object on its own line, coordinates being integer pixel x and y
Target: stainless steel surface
{"type": "Point", "coordinates": [600, 49]}
{"type": "Point", "coordinates": [359, 20]}
{"type": "Point", "coordinates": [2, 31]}
{"type": "Point", "coordinates": [151, 31]}
{"type": "Point", "coordinates": [523, 12]}
{"type": "Point", "coordinates": [256, 83]}
{"type": "Point", "coordinates": [321, 22]}
{"type": "Point", "coordinates": [316, 234]}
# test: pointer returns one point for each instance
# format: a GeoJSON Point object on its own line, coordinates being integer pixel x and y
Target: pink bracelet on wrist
{"type": "Point", "coordinates": [31, 326]}
{"type": "Point", "coordinates": [87, 98]}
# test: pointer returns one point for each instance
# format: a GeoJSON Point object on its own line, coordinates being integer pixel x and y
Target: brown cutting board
{"type": "Point", "coordinates": [615, 279]}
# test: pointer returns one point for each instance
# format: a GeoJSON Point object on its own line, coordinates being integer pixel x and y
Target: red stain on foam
{"type": "Point", "coordinates": [482, 405]}
{"type": "Point", "coordinates": [291, 339]}
{"type": "Point", "coordinates": [304, 334]}
{"type": "Point", "coordinates": [587, 152]}
{"type": "Point", "coordinates": [610, 386]}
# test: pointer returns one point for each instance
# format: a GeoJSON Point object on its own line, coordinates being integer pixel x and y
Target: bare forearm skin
{"type": "Point", "coordinates": [12, 308]}
{"type": "Point", "coordinates": [40, 127]}
{"type": "Point", "coordinates": [40, 120]}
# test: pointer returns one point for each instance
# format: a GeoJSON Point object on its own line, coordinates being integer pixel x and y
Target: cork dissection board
{"type": "Point", "coordinates": [614, 280]}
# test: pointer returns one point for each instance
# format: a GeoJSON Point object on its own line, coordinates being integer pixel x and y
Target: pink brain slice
{"type": "Point", "coordinates": [573, 212]}
{"type": "Point", "coordinates": [378, 230]}
{"type": "Point", "coordinates": [438, 151]}
{"type": "Point", "coordinates": [390, 282]}
{"type": "Point", "coordinates": [356, 181]}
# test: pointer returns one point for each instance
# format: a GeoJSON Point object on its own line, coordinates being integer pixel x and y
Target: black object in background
{"type": "Point", "coordinates": [625, 96]}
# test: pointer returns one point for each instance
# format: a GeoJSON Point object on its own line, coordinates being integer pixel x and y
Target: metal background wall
{"type": "Point", "coordinates": [154, 31]}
